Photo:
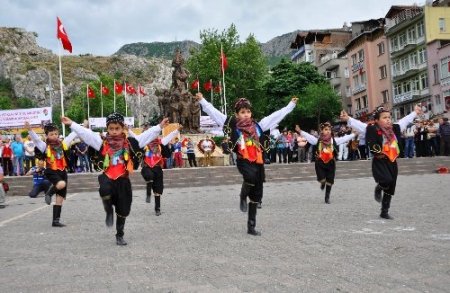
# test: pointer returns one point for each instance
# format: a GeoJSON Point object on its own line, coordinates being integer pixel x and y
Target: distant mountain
{"type": "Point", "coordinates": [157, 49]}
{"type": "Point", "coordinates": [275, 49]}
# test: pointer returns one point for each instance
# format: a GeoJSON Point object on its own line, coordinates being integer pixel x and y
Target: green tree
{"type": "Point", "coordinates": [247, 68]}
{"type": "Point", "coordinates": [25, 103]}
{"type": "Point", "coordinates": [319, 102]}
{"type": "Point", "coordinates": [5, 103]}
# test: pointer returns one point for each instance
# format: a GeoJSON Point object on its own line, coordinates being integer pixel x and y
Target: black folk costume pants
{"type": "Point", "coordinates": [385, 174]}
{"type": "Point", "coordinates": [154, 178]}
{"type": "Point", "coordinates": [120, 192]}
{"type": "Point", "coordinates": [253, 177]}
{"type": "Point", "coordinates": [54, 176]}
{"type": "Point", "coordinates": [325, 172]}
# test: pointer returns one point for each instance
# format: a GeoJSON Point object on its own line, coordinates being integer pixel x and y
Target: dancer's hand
{"type": "Point", "coordinates": [27, 125]}
{"type": "Point", "coordinates": [164, 123]}
{"type": "Point", "coordinates": [298, 129]}
{"type": "Point", "coordinates": [180, 127]}
{"type": "Point", "coordinates": [344, 116]}
{"type": "Point", "coordinates": [66, 121]}
{"type": "Point", "coordinates": [418, 109]}
{"type": "Point", "coordinates": [294, 99]}
{"type": "Point", "coordinates": [199, 96]}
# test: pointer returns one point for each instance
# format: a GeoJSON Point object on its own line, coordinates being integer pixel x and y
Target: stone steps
{"type": "Point", "coordinates": [213, 176]}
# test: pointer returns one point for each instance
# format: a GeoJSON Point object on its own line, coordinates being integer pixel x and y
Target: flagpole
{"type": "Point", "coordinates": [198, 85]}
{"type": "Point", "coordinates": [114, 95]}
{"type": "Point", "coordinates": [87, 97]}
{"type": "Point", "coordinates": [139, 102]}
{"type": "Point", "coordinates": [125, 96]}
{"type": "Point", "coordinates": [212, 91]}
{"type": "Point", "coordinates": [220, 93]}
{"type": "Point", "coordinates": [101, 96]}
{"type": "Point", "coordinates": [61, 90]}
{"type": "Point", "coordinates": [223, 77]}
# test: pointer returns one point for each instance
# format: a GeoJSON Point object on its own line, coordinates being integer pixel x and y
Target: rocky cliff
{"type": "Point", "coordinates": [32, 69]}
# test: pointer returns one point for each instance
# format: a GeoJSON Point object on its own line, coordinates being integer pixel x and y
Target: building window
{"type": "Point", "coordinates": [364, 102]}
{"type": "Point", "coordinates": [394, 44]}
{"type": "Point", "coordinates": [420, 30]}
{"type": "Point", "coordinates": [422, 56]}
{"type": "Point", "coordinates": [385, 95]}
{"type": "Point", "coordinates": [412, 35]}
{"type": "Point", "coordinates": [435, 74]}
{"type": "Point", "coordinates": [424, 80]}
{"type": "Point", "coordinates": [358, 104]}
{"type": "Point", "coordinates": [402, 39]}
{"type": "Point", "coordinates": [383, 72]}
{"type": "Point", "coordinates": [361, 55]}
{"type": "Point", "coordinates": [346, 72]}
{"type": "Point", "coordinates": [437, 98]}
{"type": "Point", "coordinates": [380, 48]}
{"type": "Point", "coordinates": [442, 25]}
{"type": "Point", "coordinates": [445, 68]}
{"type": "Point", "coordinates": [354, 61]}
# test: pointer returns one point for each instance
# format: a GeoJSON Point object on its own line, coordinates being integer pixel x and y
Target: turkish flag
{"type": "Point", "coordinates": [130, 89]}
{"type": "Point", "coordinates": [207, 86]}
{"type": "Point", "coordinates": [141, 91]}
{"type": "Point", "coordinates": [223, 61]}
{"type": "Point", "coordinates": [194, 84]}
{"type": "Point", "coordinates": [217, 88]}
{"type": "Point", "coordinates": [105, 90]}
{"type": "Point", "coordinates": [90, 93]}
{"type": "Point", "coordinates": [62, 35]}
{"type": "Point", "coordinates": [118, 88]}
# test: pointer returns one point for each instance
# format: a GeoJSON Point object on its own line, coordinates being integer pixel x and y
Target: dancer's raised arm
{"type": "Point", "coordinates": [209, 109]}
{"type": "Point", "coordinates": [273, 119]}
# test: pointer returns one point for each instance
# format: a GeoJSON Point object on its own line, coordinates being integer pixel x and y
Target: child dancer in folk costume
{"type": "Point", "coordinates": [381, 139]}
{"type": "Point", "coordinates": [115, 148]}
{"type": "Point", "coordinates": [247, 140]}
{"type": "Point", "coordinates": [326, 154]}
{"type": "Point", "coordinates": [54, 152]}
{"type": "Point", "coordinates": [152, 166]}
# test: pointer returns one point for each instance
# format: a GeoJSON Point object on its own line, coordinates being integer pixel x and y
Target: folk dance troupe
{"type": "Point", "coordinates": [247, 139]}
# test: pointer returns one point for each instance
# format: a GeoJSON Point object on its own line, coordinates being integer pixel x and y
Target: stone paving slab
{"type": "Point", "coordinates": [199, 243]}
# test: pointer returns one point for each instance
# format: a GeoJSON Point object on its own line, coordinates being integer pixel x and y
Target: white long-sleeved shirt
{"type": "Point", "coordinates": [164, 141]}
{"type": "Point", "coordinates": [41, 145]}
{"type": "Point", "coordinates": [339, 140]}
{"type": "Point", "coordinates": [94, 140]}
{"type": "Point", "coordinates": [361, 126]}
{"type": "Point", "coordinates": [266, 123]}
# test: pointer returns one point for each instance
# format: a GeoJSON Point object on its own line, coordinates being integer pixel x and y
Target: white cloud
{"type": "Point", "coordinates": [101, 27]}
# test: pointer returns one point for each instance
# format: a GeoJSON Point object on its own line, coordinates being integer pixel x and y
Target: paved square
{"type": "Point", "coordinates": [199, 243]}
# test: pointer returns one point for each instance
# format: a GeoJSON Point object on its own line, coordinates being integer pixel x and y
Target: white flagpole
{"type": "Point", "coordinates": [61, 90]}
{"type": "Point", "coordinates": [223, 77]}
{"type": "Point", "coordinates": [220, 93]}
{"type": "Point", "coordinates": [114, 95]}
{"type": "Point", "coordinates": [198, 85]}
{"type": "Point", "coordinates": [125, 96]}
{"type": "Point", "coordinates": [87, 97]}
{"type": "Point", "coordinates": [212, 91]}
{"type": "Point", "coordinates": [101, 96]}
{"type": "Point", "coordinates": [139, 101]}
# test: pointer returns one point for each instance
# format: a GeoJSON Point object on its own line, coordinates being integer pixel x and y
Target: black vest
{"type": "Point", "coordinates": [231, 130]}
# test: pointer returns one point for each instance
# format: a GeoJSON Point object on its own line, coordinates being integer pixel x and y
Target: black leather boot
{"type": "Point", "coordinates": [327, 194]}
{"type": "Point", "coordinates": [245, 191]}
{"type": "Point", "coordinates": [107, 205]}
{"type": "Point", "coordinates": [49, 194]}
{"type": "Point", "coordinates": [120, 225]}
{"type": "Point", "coordinates": [377, 193]}
{"type": "Point", "coordinates": [158, 205]}
{"type": "Point", "coordinates": [56, 216]}
{"type": "Point", "coordinates": [385, 205]}
{"type": "Point", "coordinates": [149, 192]}
{"type": "Point", "coordinates": [251, 223]}
{"type": "Point", "coordinates": [322, 185]}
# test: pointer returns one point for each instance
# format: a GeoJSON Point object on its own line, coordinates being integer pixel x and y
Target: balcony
{"type": "Point", "coordinates": [408, 46]}
{"type": "Point", "coordinates": [409, 71]}
{"type": "Point", "coordinates": [358, 66]}
{"type": "Point", "coordinates": [445, 81]}
{"type": "Point", "coordinates": [411, 96]}
{"type": "Point", "coordinates": [404, 17]}
{"type": "Point", "coordinates": [359, 88]}
{"type": "Point", "coordinates": [361, 112]}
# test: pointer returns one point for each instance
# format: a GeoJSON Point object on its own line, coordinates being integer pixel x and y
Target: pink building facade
{"type": "Point", "coordinates": [439, 75]}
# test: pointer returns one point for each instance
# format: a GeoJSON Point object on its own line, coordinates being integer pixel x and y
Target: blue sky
{"type": "Point", "coordinates": [101, 27]}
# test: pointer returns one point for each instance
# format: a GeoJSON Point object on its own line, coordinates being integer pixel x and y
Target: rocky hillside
{"type": "Point", "coordinates": [158, 49]}
{"type": "Point", "coordinates": [275, 49]}
{"type": "Point", "coordinates": [29, 69]}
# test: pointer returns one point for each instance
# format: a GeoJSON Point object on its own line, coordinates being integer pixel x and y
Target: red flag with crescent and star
{"type": "Point", "coordinates": [105, 90]}
{"type": "Point", "coordinates": [207, 86]}
{"type": "Point", "coordinates": [90, 93]}
{"type": "Point", "coordinates": [130, 89]}
{"type": "Point", "coordinates": [194, 84]}
{"type": "Point", "coordinates": [118, 88]}
{"type": "Point", "coordinates": [62, 35]}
